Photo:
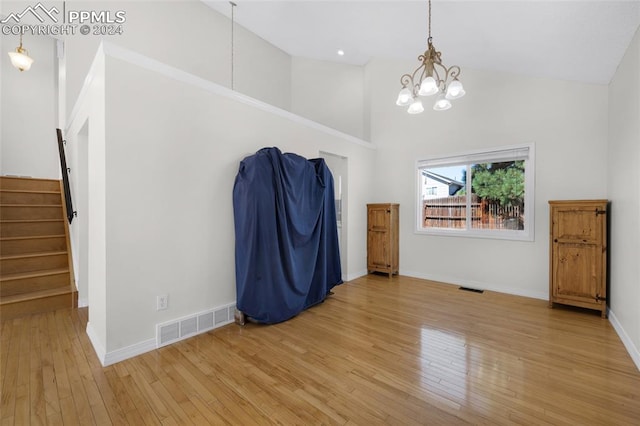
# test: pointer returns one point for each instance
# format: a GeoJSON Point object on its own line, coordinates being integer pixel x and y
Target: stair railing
{"type": "Point", "coordinates": [65, 176]}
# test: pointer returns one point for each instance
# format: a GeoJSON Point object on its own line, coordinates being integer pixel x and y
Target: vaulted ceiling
{"type": "Point", "coordinates": [570, 40]}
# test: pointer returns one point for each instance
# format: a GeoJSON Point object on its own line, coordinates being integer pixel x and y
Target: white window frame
{"type": "Point", "coordinates": [524, 152]}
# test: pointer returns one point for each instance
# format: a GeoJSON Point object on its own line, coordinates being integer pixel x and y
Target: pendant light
{"type": "Point", "coordinates": [430, 78]}
{"type": "Point", "coordinates": [20, 58]}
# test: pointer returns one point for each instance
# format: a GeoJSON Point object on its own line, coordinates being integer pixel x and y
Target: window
{"type": "Point", "coordinates": [478, 194]}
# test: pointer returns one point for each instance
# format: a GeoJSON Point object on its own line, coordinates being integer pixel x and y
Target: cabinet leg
{"type": "Point", "coordinates": [604, 313]}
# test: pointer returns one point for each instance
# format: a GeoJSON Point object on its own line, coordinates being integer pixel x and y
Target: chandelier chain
{"type": "Point", "coordinates": [429, 15]}
{"type": "Point", "coordinates": [233, 6]}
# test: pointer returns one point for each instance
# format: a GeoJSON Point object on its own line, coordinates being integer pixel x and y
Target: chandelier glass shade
{"type": "Point", "coordinates": [432, 77]}
{"type": "Point", "coordinates": [20, 58]}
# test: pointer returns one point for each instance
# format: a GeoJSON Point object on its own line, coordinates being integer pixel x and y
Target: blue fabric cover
{"type": "Point", "coordinates": [287, 255]}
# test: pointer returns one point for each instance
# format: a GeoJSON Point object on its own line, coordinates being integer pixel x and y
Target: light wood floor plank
{"type": "Point", "coordinates": [397, 351]}
{"type": "Point", "coordinates": [10, 358]}
{"type": "Point", "coordinates": [143, 408]}
{"type": "Point", "coordinates": [78, 393]}
{"type": "Point", "coordinates": [51, 398]}
{"type": "Point", "coordinates": [37, 403]}
{"type": "Point", "coordinates": [22, 410]}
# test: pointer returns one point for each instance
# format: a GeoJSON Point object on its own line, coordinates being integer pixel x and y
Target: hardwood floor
{"type": "Point", "coordinates": [379, 351]}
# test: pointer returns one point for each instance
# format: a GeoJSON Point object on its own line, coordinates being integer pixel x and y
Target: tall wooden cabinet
{"type": "Point", "coordinates": [382, 238]}
{"type": "Point", "coordinates": [578, 254]}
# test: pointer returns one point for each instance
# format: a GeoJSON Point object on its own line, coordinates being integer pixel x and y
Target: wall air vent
{"type": "Point", "coordinates": [473, 290]}
{"type": "Point", "coordinates": [188, 326]}
{"type": "Point", "coordinates": [205, 321]}
{"type": "Point", "coordinates": [222, 315]}
{"type": "Point", "coordinates": [168, 333]}
{"type": "Point", "coordinates": [191, 325]}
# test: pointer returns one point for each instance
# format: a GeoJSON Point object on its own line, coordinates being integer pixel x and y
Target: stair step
{"type": "Point", "coordinates": [35, 211]}
{"type": "Point", "coordinates": [15, 196]}
{"type": "Point", "coordinates": [12, 284]}
{"type": "Point", "coordinates": [36, 302]}
{"type": "Point", "coordinates": [33, 227]}
{"type": "Point", "coordinates": [33, 184]}
{"type": "Point", "coordinates": [35, 274]}
{"type": "Point", "coordinates": [32, 244]}
{"type": "Point", "coordinates": [15, 264]}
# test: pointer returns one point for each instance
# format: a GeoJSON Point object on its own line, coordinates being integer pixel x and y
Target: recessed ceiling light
{"type": "Point", "coordinates": [340, 52]}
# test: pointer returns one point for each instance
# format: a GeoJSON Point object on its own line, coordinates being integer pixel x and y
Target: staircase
{"type": "Point", "coordinates": [36, 273]}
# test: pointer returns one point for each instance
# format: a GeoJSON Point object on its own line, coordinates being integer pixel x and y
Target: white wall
{"type": "Point", "coordinates": [624, 193]}
{"type": "Point", "coordinates": [329, 93]}
{"type": "Point", "coordinates": [566, 121]}
{"type": "Point", "coordinates": [86, 125]}
{"type": "Point", "coordinates": [168, 222]}
{"type": "Point", "coordinates": [28, 141]}
{"type": "Point", "coordinates": [191, 36]}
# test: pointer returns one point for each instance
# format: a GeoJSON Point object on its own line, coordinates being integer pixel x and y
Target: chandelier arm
{"type": "Point", "coordinates": [453, 72]}
{"type": "Point", "coordinates": [438, 58]}
{"type": "Point", "coordinates": [440, 77]}
{"type": "Point", "coordinates": [406, 80]}
{"type": "Point", "coordinates": [423, 75]}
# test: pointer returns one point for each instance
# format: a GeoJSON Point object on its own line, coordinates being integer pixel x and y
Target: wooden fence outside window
{"type": "Point", "coordinates": [451, 212]}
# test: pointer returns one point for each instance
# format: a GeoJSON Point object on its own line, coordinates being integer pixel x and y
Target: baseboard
{"type": "Point", "coordinates": [97, 346]}
{"type": "Point", "coordinates": [634, 352]}
{"type": "Point", "coordinates": [83, 303]}
{"type": "Point", "coordinates": [112, 357]}
{"type": "Point", "coordinates": [476, 285]}
{"type": "Point", "coordinates": [355, 275]}
{"type": "Point", "coordinates": [129, 352]}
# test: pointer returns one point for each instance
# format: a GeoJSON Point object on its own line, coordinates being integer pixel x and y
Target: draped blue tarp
{"type": "Point", "coordinates": [287, 255]}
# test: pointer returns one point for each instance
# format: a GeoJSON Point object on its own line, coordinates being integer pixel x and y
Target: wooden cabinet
{"type": "Point", "coordinates": [578, 254]}
{"type": "Point", "coordinates": [382, 238]}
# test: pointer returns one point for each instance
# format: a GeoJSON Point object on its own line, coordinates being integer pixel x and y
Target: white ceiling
{"type": "Point", "coordinates": [564, 39]}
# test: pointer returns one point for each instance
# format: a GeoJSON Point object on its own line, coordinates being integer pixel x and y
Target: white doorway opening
{"type": "Point", "coordinates": [338, 165]}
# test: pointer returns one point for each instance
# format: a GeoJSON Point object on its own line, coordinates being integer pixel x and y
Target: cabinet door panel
{"type": "Point", "coordinates": [378, 219]}
{"type": "Point", "coordinates": [576, 271]}
{"type": "Point", "coordinates": [378, 249]}
{"type": "Point", "coordinates": [582, 225]}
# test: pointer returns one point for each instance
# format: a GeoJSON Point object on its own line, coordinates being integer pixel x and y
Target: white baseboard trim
{"type": "Point", "coordinates": [476, 285]}
{"type": "Point", "coordinates": [355, 275]}
{"type": "Point", "coordinates": [97, 345]}
{"type": "Point", "coordinates": [113, 357]}
{"type": "Point", "coordinates": [83, 303]}
{"type": "Point", "coordinates": [634, 352]}
{"type": "Point", "coordinates": [129, 352]}
{"type": "Point", "coordinates": [108, 358]}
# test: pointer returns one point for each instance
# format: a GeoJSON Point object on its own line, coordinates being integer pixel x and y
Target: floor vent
{"type": "Point", "coordinates": [181, 328]}
{"type": "Point", "coordinates": [474, 290]}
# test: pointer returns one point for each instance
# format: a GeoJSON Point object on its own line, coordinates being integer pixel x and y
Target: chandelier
{"type": "Point", "coordinates": [430, 78]}
{"type": "Point", "coordinates": [20, 58]}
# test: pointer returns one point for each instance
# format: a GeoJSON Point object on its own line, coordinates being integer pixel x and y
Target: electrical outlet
{"type": "Point", "coordinates": [163, 302]}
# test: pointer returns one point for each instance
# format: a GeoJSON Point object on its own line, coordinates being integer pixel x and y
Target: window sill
{"type": "Point", "coordinates": [493, 235]}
